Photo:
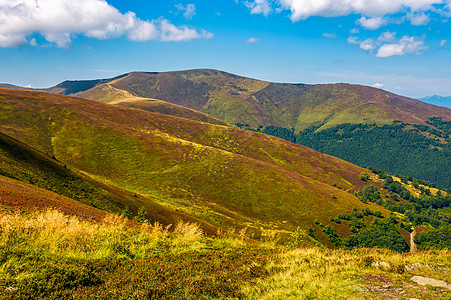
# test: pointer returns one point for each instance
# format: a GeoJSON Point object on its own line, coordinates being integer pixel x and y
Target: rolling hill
{"type": "Point", "coordinates": [237, 99]}
{"type": "Point", "coordinates": [222, 175]}
{"type": "Point", "coordinates": [38, 181]}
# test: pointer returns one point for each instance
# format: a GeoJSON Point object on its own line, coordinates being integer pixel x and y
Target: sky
{"type": "Point", "coordinates": [403, 46]}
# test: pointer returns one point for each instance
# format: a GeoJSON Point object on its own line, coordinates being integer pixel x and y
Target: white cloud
{"type": "Point", "coordinates": [259, 7]}
{"type": "Point", "coordinates": [407, 45]}
{"type": "Point", "coordinates": [206, 35]}
{"type": "Point", "coordinates": [33, 42]}
{"type": "Point", "coordinates": [303, 9]}
{"type": "Point", "coordinates": [353, 40]}
{"type": "Point", "coordinates": [58, 21]}
{"type": "Point", "coordinates": [378, 85]}
{"type": "Point", "coordinates": [419, 19]}
{"type": "Point", "coordinates": [368, 45]}
{"type": "Point", "coordinates": [189, 11]}
{"type": "Point", "coordinates": [329, 35]}
{"type": "Point", "coordinates": [443, 43]}
{"type": "Point", "coordinates": [252, 40]}
{"type": "Point", "coordinates": [372, 23]}
{"type": "Point", "coordinates": [172, 33]}
{"type": "Point", "coordinates": [387, 36]}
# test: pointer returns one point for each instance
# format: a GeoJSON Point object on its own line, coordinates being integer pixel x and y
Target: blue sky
{"type": "Point", "coordinates": [399, 45]}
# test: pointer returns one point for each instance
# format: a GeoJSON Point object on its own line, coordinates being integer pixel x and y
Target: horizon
{"type": "Point", "coordinates": [401, 47]}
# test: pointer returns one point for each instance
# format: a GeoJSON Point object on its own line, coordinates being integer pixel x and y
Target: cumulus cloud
{"type": "Point", "coordinates": [378, 85]}
{"type": "Point", "coordinates": [303, 9]}
{"type": "Point", "coordinates": [372, 23]}
{"type": "Point", "coordinates": [259, 7]}
{"type": "Point", "coordinates": [407, 45]}
{"type": "Point", "coordinates": [374, 13]}
{"type": "Point", "coordinates": [172, 33]}
{"type": "Point", "coordinates": [252, 40]}
{"type": "Point", "coordinates": [189, 11]}
{"type": "Point", "coordinates": [387, 36]}
{"type": "Point", "coordinates": [353, 40]}
{"type": "Point", "coordinates": [58, 21]}
{"type": "Point", "coordinates": [443, 43]}
{"type": "Point", "coordinates": [368, 45]}
{"type": "Point", "coordinates": [387, 45]}
{"type": "Point", "coordinates": [419, 19]}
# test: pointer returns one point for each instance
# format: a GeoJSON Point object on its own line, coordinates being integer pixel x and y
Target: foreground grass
{"type": "Point", "coordinates": [359, 274]}
{"type": "Point", "coordinates": [49, 255]}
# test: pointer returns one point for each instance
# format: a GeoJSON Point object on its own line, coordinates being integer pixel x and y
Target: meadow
{"type": "Point", "coordinates": [49, 255]}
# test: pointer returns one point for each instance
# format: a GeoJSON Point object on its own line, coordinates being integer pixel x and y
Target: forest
{"type": "Point", "coordinates": [422, 154]}
{"type": "Point", "coordinates": [414, 150]}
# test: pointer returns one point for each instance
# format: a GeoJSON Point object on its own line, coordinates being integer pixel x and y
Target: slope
{"type": "Point", "coordinates": [56, 185]}
{"type": "Point", "coordinates": [225, 176]}
{"type": "Point", "coordinates": [237, 99]}
{"type": "Point", "coordinates": [107, 94]}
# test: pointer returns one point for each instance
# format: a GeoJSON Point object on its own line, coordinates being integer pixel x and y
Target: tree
{"type": "Point", "coordinates": [370, 194]}
{"type": "Point", "coordinates": [365, 177]}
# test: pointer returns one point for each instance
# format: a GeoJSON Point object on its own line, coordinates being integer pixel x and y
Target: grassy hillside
{"type": "Point", "coordinates": [236, 99]}
{"type": "Point", "coordinates": [50, 255]}
{"type": "Point", "coordinates": [43, 182]}
{"type": "Point", "coordinates": [224, 176]}
{"type": "Point", "coordinates": [107, 94]}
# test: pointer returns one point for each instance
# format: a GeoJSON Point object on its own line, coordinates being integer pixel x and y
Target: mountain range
{"type": "Point", "coordinates": [164, 143]}
{"type": "Point", "coordinates": [255, 104]}
{"type": "Point", "coordinates": [237, 99]}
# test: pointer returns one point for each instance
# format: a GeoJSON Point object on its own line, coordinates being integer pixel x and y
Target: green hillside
{"type": "Point", "coordinates": [68, 189]}
{"type": "Point", "coordinates": [107, 94]}
{"type": "Point", "coordinates": [237, 99]}
{"type": "Point", "coordinates": [222, 175]}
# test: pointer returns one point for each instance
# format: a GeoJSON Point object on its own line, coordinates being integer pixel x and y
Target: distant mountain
{"type": "Point", "coordinates": [12, 86]}
{"type": "Point", "coordinates": [438, 100]}
{"type": "Point", "coordinates": [219, 175]}
{"type": "Point", "coordinates": [237, 99]}
{"type": "Point", "coordinates": [70, 87]}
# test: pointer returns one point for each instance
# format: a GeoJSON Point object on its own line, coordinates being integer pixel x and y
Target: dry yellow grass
{"type": "Point", "coordinates": [58, 234]}
{"type": "Point", "coordinates": [307, 273]}
{"type": "Point", "coordinates": [315, 273]}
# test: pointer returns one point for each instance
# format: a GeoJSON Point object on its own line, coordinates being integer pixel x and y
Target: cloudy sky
{"type": "Point", "coordinates": [403, 46]}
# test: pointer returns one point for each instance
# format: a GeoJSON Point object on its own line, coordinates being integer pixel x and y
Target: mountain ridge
{"type": "Point", "coordinates": [238, 99]}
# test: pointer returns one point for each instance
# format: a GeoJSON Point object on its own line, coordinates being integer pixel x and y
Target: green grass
{"type": "Point", "coordinates": [49, 255]}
